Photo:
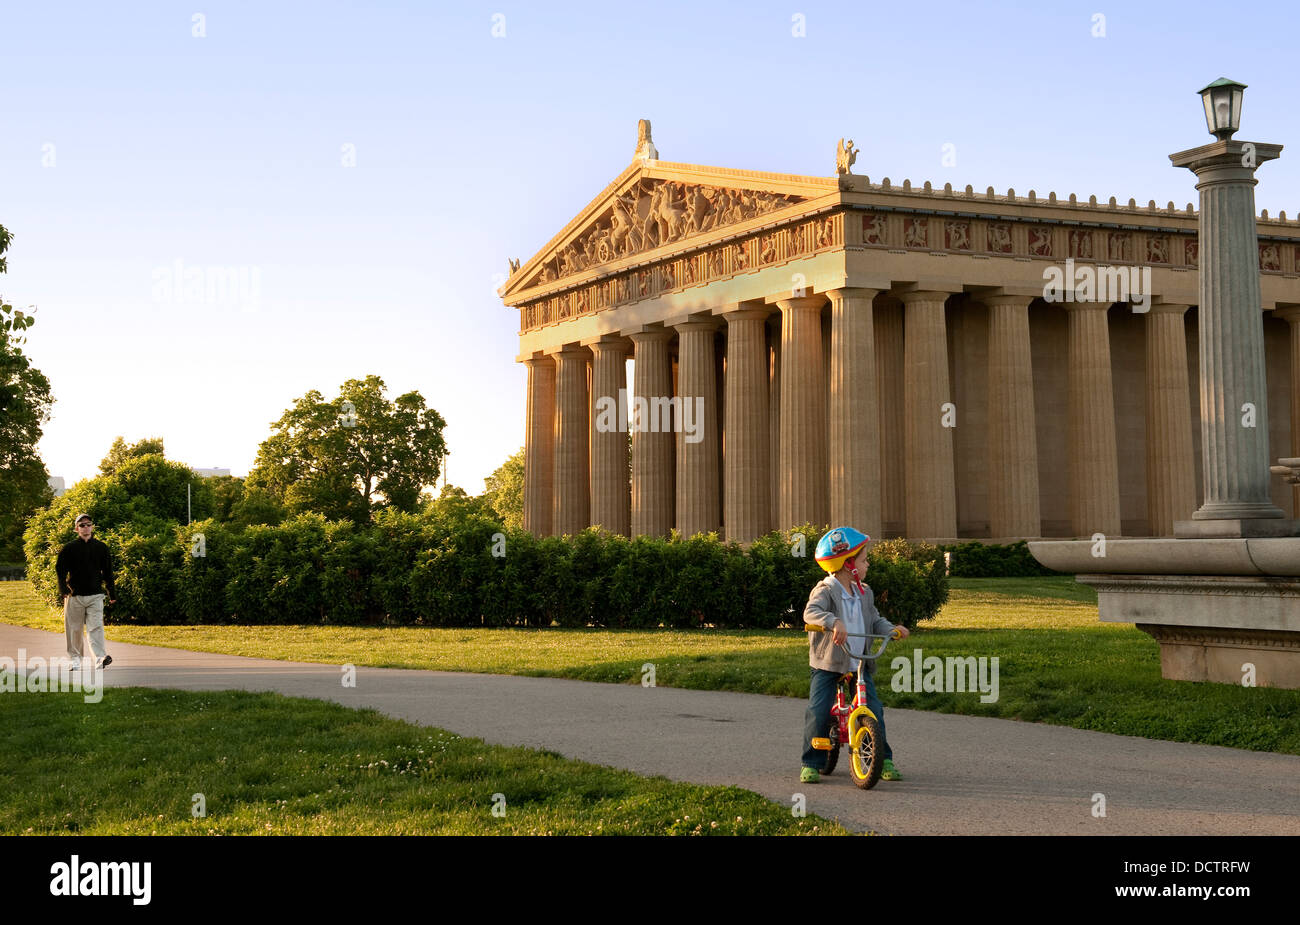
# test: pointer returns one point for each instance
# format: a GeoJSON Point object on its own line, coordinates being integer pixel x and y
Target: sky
{"type": "Point", "coordinates": [347, 180]}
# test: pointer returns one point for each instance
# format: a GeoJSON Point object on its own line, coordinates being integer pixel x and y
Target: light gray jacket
{"type": "Point", "coordinates": [825, 609]}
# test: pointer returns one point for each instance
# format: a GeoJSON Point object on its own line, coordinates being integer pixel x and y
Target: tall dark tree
{"type": "Point", "coordinates": [25, 402]}
{"type": "Point", "coordinates": [349, 456]}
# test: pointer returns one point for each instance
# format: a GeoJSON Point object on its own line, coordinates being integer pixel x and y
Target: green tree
{"type": "Point", "coordinates": [505, 490]}
{"type": "Point", "coordinates": [136, 511]}
{"type": "Point", "coordinates": [24, 408]}
{"type": "Point", "coordinates": [347, 457]}
{"type": "Point", "coordinates": [121, 451]}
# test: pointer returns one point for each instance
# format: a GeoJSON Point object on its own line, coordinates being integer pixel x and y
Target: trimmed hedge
{"type": "Point", "coordinates": [984, 560]}
{"type": "Point", "coordinates": [458, 566]}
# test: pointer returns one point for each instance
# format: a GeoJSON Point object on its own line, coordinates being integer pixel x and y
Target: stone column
{"type": "Point", "coordinates": [747, 511]}
{"type": "Point", "coordinates": [804, 494]}
{"type": "Point", "coordinates": [774, 424]}
{"type": "Point", "coordinates": [572, 511]}
{"type": "Point", "coordinates": [854, 464]}
{"type": "Point", "coordinates": [539, 449]}
{"type": "Point", "coordinates": [611, 497]}
{"type": "Point", "coordinates": [1292, 317]}
{"type": "Point", "coordinates": [1230, 319]}
{"type": "Point", "coordinates": [652, 446]}
{"type": "Point", "coordinates": [1171, 470]}
{"type": "Point", "coordinates": [1013, 443]}
{"type": "Point", "coordinates": [697, 435]}
{"type": "Point", "coordinates": [890, 389]}
{"type": "Point", "coordinates": [1090, 439]}
{"type": "Point", "coordinates": [931, 484]}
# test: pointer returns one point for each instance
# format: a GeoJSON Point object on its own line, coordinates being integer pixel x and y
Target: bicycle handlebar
{"type": "Point", "coordinates": [866, 653]}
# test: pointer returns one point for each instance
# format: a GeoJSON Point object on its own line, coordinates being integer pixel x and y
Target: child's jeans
{"type": "Point", "coordinates": [817, 721]}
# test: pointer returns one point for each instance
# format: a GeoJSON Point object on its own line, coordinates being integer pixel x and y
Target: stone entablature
{"type": "Point", "coordinates": [800, 239]}
{"type": "Point", "coordinates": [1045, 229]}
{"type": "Point", "coordinates": [687, 233]}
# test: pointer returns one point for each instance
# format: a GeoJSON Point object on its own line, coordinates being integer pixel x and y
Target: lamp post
{"type": "Point", "coordinates": [1234, 409]}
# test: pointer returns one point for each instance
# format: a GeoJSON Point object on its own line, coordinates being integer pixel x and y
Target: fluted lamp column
{"type": "Point", "coordinates": [1234, 387]}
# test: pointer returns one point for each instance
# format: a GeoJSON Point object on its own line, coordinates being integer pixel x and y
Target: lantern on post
{"type": "Point", "coordinates": [1222, 100]}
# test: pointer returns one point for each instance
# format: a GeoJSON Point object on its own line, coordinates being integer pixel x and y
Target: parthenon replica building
{"type": "Point", "coordinates": [929, 363]}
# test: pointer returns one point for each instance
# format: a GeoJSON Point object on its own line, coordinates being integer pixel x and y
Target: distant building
{"type": "Point", "coordinates": [57, 485]}
{"type": "Point", "coordinates": [212, 473]}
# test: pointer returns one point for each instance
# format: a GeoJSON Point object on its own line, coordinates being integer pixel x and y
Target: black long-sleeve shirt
{"type": "Point", "coordinates": [81, 566]}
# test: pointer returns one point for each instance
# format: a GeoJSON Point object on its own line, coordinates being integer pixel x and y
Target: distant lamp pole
{"type": "Point", "coordinates": [1222, 101]}
{"type": "Point", "coordinates": [1234, 390]}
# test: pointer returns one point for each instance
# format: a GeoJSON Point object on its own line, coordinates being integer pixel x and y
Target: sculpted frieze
{"type": "Point", "coordinates": [652, 213]}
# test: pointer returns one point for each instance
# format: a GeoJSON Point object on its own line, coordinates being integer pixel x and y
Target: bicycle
{"type": "Point", "coordinates": [852, 722]}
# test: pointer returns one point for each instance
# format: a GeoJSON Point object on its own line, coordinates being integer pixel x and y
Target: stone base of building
{"type": "Point", "coordinates": [1230, 629]}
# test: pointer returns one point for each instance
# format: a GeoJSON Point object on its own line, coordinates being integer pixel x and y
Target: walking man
{"type": "Point", "coordinates": [82, 565]}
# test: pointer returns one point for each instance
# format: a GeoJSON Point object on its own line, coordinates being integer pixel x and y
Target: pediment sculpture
{"type": "Point", "coordinates": [652, 213]}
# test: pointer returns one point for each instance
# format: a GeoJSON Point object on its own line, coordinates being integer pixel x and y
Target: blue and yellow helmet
{"type": "Point", "coordinates": [838, 546]}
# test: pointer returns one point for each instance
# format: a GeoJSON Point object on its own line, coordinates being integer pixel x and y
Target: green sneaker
{"type": "Point", "coordinates": [889, 772]}
{"type": "Point", "coordinates": [809, 776]}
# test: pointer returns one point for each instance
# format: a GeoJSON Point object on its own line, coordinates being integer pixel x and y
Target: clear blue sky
{"type": "Point", "coordinates": [226, 151]}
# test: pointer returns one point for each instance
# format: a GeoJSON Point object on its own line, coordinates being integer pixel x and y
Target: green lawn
{"type": "Point", "coordinates": [1056, 662]}
{"type": "Point", "coordinates": [265, 764]}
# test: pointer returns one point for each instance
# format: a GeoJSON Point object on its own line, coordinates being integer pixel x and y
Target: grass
{"type": "Point", "coordinates": [1057, 663]}
{"type": "Point", "coordinates": [266, 764]}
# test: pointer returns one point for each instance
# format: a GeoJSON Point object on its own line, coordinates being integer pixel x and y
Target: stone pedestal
{"type": "Point", "coordinates": [1224, 610]}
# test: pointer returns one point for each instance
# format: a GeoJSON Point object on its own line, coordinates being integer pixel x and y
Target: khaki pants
{"type": "Point", "coordinates": [84, 612]}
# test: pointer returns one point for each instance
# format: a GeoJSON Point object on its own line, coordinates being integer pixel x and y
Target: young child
{"type": "Point", "coordinates": [843, 605]}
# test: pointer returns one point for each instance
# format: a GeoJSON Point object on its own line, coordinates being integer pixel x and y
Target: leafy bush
{"type": "Point", "coordinates": [984, 560]}
{"type": "Point", "coordinates": [452, 564]}
{"type": "Point", "coordinates": [910, 577]}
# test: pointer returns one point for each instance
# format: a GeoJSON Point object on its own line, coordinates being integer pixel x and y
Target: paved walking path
{"type": "Point", "coordinates": [964, 774]}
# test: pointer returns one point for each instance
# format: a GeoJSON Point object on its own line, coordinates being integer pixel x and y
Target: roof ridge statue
{"type": "Point", "coordinates": [845, 156]}
{"type": "Point", "coordinates": [645, 146]}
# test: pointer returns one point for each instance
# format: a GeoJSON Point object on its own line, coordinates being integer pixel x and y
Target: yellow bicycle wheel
{"type": "Point", "coordinates": [865, 757]}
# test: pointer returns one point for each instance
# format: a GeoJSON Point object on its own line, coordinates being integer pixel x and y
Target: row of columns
{"type": "Point", "coordinates": [799, 447]}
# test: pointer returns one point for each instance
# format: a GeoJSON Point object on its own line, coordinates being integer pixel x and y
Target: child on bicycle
{"type": "Point", "coordinates": [842, 604]}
